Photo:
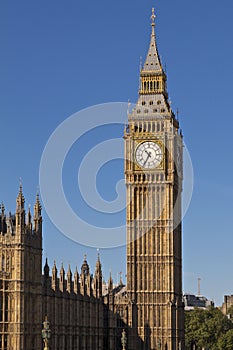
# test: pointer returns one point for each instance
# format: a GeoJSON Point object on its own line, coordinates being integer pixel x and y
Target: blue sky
{"type": "Point", "coordinates": [60, 57]}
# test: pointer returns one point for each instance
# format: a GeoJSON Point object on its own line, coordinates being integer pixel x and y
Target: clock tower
{"type": "Point", "coordinates": [153, 175]}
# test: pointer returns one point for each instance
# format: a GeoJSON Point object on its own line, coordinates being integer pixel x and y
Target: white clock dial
{"type": "Point", "coordinates": [148, 155]}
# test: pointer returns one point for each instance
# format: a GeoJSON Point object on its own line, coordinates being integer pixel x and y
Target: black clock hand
{"type": "Point", "coordinates": [148, 156]}
{"type": "Point", "coordinates": [148, 153]}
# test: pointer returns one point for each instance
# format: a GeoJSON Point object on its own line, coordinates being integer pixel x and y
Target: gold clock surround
{"type": "Point", "coordinates": [160, 166]}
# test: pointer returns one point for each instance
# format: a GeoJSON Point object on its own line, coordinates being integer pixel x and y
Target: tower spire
{"type": "Point", "coordinates": [153, 95]}
{"type": "Point", "coordinates": [153, 63]}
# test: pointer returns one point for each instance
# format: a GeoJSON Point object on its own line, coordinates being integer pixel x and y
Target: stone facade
{"type": "Point", "coordinates": [80, 314]}
{"type": "Point", "coordinates": [227, 304]}
{"type": "Point", "coordinates": [149, 308]}
{"type": "Point", "coordinates": [153, 174]}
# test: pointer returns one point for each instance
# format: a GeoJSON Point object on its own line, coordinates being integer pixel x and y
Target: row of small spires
{"type": "Point", "coordinates": [79, 280]}
{"type": "Point", "coordinates": [20, 215]}
{"type": "Point", "coordinates": [20, 201]}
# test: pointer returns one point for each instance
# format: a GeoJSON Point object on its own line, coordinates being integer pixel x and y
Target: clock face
{"type": "Point", "coordinates": [148, 155]}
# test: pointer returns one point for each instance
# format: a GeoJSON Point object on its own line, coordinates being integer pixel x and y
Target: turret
{"type": "Point", "coordinates": [46, 269]}
{"type": "Point", "coordinates": [98, 279]}
{"type": "Point", "coordinates": [76, 282]}
{"type": "Point", "coordinates": [29, 220]}
{"type": "Point", "coordinates": [110, 284]}
{"type": "Point", "coordinates": [54, 277]}
{"type": "Point", "coordinates": [37, 216]}
{"type": "Point", "coordinates": [20, 211]}
{"type": "Point", "coordinates": [69, 280]}
{"type": "Point", "coordinates": [62, 281]}
{"type": "Point", "coordinates": [46, 274]}
{"type": "Point", "coordinates": [2, 220]}
{"type": "Point", "coordinates": [85, 287]}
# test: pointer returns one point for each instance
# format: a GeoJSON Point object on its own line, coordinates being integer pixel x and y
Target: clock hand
{"type": "Point", "coordinates": [148, 153]}
{"type": "Point", "coordinates": [148, 156]}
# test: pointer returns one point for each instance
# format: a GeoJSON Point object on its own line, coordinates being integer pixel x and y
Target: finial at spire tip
{"type": "Point", "coordinates": [20, 185]}
{"type": "Point", "coordinates": [153, 16]}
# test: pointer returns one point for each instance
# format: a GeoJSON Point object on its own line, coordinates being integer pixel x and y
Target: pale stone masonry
{"type": "Point", "coordinates": [153, 174]}
{"type": "Point", "coordinates": [149, 308]}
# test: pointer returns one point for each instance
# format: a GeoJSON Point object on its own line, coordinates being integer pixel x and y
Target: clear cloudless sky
{"type": "Point", "coordinates": [58, 57]}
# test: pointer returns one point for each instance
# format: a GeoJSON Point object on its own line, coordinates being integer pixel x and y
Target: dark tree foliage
{"type": "Point", "coordinates": [208, 329]}
{"type": "Point", "coordinates": [226, 341]}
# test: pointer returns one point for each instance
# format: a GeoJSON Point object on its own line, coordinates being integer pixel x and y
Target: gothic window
{"type": "Point", "coordinates": [151, 103]}
{"type": "Point", "coordinates": [143, 103]}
